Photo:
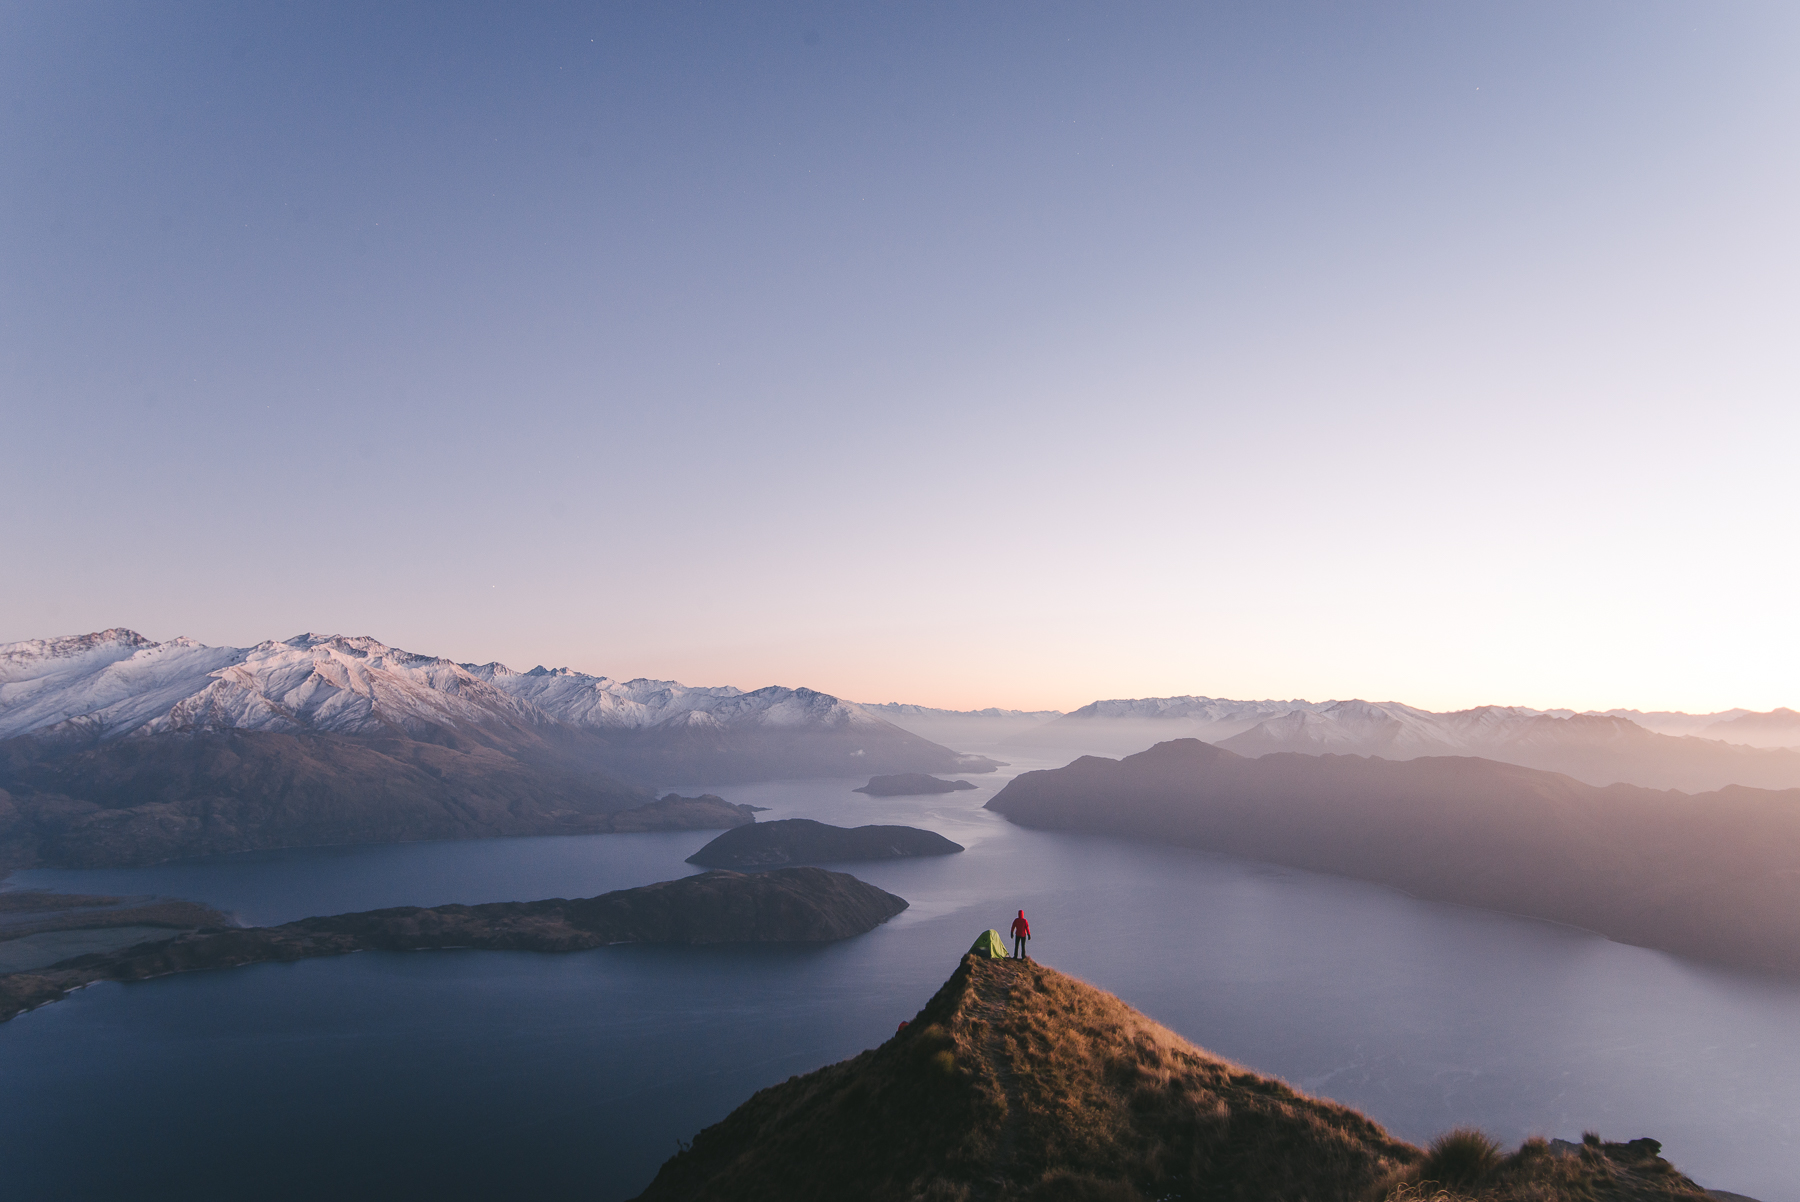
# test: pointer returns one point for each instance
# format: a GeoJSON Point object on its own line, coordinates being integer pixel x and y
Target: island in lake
{"type": "Point", "coordinates": [707, 812]}
{"type": "Point", "coordinates": [801, 840]}
{"type": "Point", "coordinates": [910, 784]}
{"type": "Point", "coordinates": [788, 905]}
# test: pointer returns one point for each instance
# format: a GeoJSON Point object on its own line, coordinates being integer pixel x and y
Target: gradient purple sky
{"type": "Point", "coordinates": [964, 354]}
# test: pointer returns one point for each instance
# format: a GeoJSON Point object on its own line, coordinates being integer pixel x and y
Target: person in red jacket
{"type": "Point", "coordinates": [1021, 931]}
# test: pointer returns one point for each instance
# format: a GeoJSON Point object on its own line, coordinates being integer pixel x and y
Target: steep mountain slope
{"type": "Point", "coordinates": [116, 749]}
{"type": "Point", "coordinates": [600, 702]}
{"type": "Point", "coordinates": [1017, 1082]}
{"type": "Point", "coordinates": [83, 689]}
{"type": "Point", "coordinates": [1714, 876]}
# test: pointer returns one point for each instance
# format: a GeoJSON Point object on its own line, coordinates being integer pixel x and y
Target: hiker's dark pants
{"type": "Point", "coordinates": [1018, 947]}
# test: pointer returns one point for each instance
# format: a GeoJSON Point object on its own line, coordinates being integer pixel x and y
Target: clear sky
{"type": "Point", "coordinates": [964, 354]}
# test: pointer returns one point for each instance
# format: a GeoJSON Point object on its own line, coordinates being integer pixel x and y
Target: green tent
{"type": "Point", "coordinates": [990, 945]}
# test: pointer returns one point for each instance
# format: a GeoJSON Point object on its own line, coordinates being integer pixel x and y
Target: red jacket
{"type": "Point", "coordinates": [1020, 927]}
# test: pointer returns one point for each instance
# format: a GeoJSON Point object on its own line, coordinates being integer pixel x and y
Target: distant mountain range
{"type": "Point", "coordinates": [1735, 747]}
{"type": "Point", "coordinates": [986, 728]}
{"type": "Point", "coordinates": [115, 748]}
{"type": "Point", "coordinates": [1777, 728]}
{"type": "Point", "coordinates": [1710, 875]}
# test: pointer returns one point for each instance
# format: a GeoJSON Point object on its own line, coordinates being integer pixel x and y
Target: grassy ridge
{"type": "Point", "coordinates": [1016, 1082]}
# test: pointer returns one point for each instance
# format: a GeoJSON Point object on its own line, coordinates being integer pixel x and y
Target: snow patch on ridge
{"type": "Point", "coordinates": [100, 686]}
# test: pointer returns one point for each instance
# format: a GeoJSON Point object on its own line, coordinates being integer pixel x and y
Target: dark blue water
{"type": "Point", "coordinates": [475, 1074]}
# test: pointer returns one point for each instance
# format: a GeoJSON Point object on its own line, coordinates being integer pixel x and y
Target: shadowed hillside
{"type": "Point", "coordinates": [1017, 1082]}
{"type": "Point", "coordinates": [138, 801]}
{"type": "Point", "coordinates": [1710, 875]}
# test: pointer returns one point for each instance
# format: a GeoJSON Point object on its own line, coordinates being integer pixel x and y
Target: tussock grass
{"type": "Point", "coordinates": [1461, 1159]}
{"type": "Point", "coordinates": [1466, 1165]}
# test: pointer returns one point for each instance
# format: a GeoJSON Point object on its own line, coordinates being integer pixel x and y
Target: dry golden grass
{"type": "Point", "coordinates": [1598, 1171]}
{"type": "Point", "coordinates": [1017, 1082]}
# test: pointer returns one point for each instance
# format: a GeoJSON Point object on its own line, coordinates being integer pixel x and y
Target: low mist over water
{"type": "Point", "coordinates": [471, 1074]}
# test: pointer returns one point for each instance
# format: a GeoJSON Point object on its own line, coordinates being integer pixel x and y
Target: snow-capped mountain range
{"type": "Point", "coordinates": [1398, 731]}
{"type": "Point", "coordinates": [116, 749]}
{"type": "Point", "coordinates": [117, 684]}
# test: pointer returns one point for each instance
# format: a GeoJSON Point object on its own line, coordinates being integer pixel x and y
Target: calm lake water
{"type": "Point", "coordinates": [482, 1074]}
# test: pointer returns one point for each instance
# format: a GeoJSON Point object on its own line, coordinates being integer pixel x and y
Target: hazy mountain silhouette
{"type": "Point", "coordinates": [962, 728]}
{"type": "Point", "coordinates": [1709, 875]}
{"type": "Point", "coordinates": [1777, 728]}
{"type": "Point", "coordinates": [1600, 749]}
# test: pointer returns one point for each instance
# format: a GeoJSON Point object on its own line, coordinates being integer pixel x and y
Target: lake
{"type": "Point", "coordinates": [482, 1074]}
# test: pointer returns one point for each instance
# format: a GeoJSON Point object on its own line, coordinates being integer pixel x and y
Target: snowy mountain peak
{"type": "Point", "coordinates": [99, 686]}
{"type": "Point", "coordinates": [41, 657]}
{"type": "Point", "coordinates": [344, 685]}
{"type": "Point", "coordinates": [114, 683]}
{"type": "Point", "coordinates": [360, 646]}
